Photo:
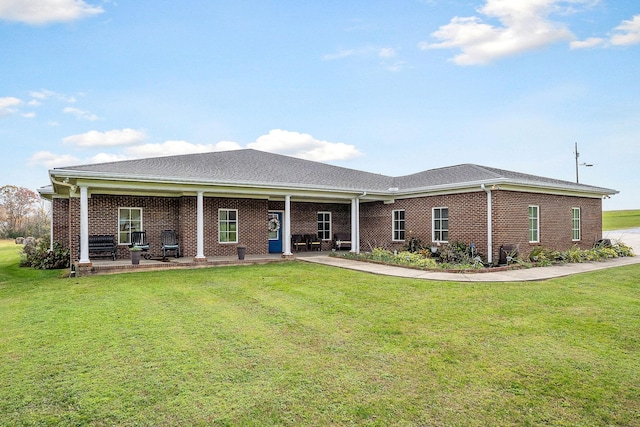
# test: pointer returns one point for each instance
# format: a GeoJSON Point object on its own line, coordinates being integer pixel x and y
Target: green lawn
{"type": "Point", "coordinates": [300, 344]}
{"type": "Point", "coordinates": [619, 220]}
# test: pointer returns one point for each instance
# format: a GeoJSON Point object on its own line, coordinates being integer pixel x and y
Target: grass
{"type": "Point", "coordinates": [301, 344]}
{"type": "Point", "coordinates": [620, 220]}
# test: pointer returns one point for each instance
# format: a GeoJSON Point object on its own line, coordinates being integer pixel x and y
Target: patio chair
{"type": "Point", "coordinates": [139, 239]}
{"type": "Point", "coordinates": [169, 239]}
{"type": "Point", "coordinates": [298, 242]}
{"type": "Point", "coordinates": [313, 243]}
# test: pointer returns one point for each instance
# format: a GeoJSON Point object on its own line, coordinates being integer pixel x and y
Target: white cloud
{"type": "Point", "coordinates": [524, 26]}
{"type": "Point", "coordinates": [364, 52]}
{"type": "Point", "coordinates": [39, 12]}
{"type": "Point", "coordinates": [51, 160]}
{"type": "Point", "coordinates": [628, 32]}
{"type": "Point", "coordinates": [276, 141]}
{"type": "Point", "coordinates": [43, 94]}
{"type": "Point", "coordinates": [304, 146]}
{"type": "Point", "coordinates": [588, 43]}
{"type": "Point", "coordinates": [168, 148]}
{"type": "Point", "coordinates": [395, 66]}
{"type": "Point", "coordinates": [106, 158]}
{"type": "Point", "coordinates": [81, 114]}
{"type": "Point", "coordinates": [342, 53]}
{"type": "Point", "coordinates": [8, 104]}
{"type": "Point", "coordinates": [387, 52]}
{"type": "Point", "coordinates": [625, 34]}
{"type": "Point", "coordinates": [29, 115]}
{"type": "Point", "coordinates": [106, 139]}
{"type": "Point", "coordinates": [173, 148]}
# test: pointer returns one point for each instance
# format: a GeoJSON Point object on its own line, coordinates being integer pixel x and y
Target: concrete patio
{"type": "Point", "coordinates": [108, 266]}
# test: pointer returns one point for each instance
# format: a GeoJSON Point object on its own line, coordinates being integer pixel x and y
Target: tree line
{"type": "Point", "coordinates": [23, 213]}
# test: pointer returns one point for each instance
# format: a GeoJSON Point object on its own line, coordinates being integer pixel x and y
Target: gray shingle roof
{"type": "Point", "coordinates": [252, 167]}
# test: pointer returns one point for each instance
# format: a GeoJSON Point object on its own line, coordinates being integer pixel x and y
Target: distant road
{"type": "Point", "coordinates": [630, 237]}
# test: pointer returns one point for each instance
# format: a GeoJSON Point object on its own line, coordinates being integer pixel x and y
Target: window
{"type": "Point", "coordinates": [398, 225]}
{"type": "Point", "coordinates": [534, 224]}
{"type": "Point", "coordinates": [324, 225]}
{"type": "Point", "coordinates": [129, 219]}
{"type": "Point", "coordinates": [440, 224]}
{"type": "Point", "coordinates": [575, 224]}
{"type": "Point", "coordinates": [228, 225]}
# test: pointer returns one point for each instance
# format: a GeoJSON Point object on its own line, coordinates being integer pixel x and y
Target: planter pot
{"type": "Point", "coordinates": [135, 257]}
{"type": "Point", "coordinates": [242, 250]}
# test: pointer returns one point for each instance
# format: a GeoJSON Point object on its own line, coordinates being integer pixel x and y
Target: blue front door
{"type": "Point", "coordinates": [275, 232]}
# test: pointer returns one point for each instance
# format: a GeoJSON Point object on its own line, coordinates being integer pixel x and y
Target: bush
{"type": "Point", "coordinates": [459, 253]}
{"type": "Point", "coordinates": [37, 255]}
{"type": "Point", "coordinates": [545, 256]}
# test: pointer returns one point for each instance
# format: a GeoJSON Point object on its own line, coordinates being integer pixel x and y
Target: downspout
{"type": "Point", "coordinates": [66, 184]}
{"type": "Point", "coordinates": [489, 229]}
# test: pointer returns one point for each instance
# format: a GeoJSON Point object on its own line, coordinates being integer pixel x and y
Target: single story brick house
{"type": "Point", "coordinates": [216, 201]}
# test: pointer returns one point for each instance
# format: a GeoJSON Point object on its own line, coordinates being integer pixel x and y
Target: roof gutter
{"type": "Point", "coordinates": [64, 183]}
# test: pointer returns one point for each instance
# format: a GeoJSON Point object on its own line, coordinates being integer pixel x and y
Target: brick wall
{"type": "Point", "coordinates": [158, 213]}
{"type": "Point", "coordinates": [304, 217]}
{"type": "Point", "coordinates": [252, 226]}
{"type": "Point", "coordinates": [511, 220]}
{"type": "Point", "coordinates": [467, 220]}
{"type": "Point", "coordinates": [60, 212]}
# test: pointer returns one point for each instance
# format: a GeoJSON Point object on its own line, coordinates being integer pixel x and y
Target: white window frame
{"type": "Point", "coordinates": [221, 221]}
{"type": "Point", "coordinates": [128, 228]}
{"type": "Point", "coordinates": [576, 225]}
{"type": "Point", "coordinates": [398, 225]}
{"type": "Point", "coordinates": [530, 228]}
{"type": "Point", "coordinates": [324, 221]}
{"type": "Point", "coordinates": [440, 229]}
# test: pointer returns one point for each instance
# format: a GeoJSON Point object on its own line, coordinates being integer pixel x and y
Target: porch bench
{"type": "Point", "coordinates": [342, 241]}
{"type": "Point", "coordinates": [102, 245]}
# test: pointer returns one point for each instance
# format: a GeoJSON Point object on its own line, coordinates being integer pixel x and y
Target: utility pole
{"type": "Point", "coordinates": [577, 155]}
{"type": "Point", "coordinates": [581, 164]}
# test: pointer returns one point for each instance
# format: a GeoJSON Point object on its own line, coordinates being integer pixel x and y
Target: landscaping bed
{"type": "Point", "coordinates": [456, 257]}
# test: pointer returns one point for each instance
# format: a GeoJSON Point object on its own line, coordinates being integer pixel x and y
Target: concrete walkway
{"type": "Point", "coordinates": [629, 237]}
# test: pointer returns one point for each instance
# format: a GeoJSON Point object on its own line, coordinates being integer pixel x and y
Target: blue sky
{"type": "Point", "coordinates": [392, 87]}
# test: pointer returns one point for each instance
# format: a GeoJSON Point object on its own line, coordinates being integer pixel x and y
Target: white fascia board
{"type": "Point", "coordinates": [176, 189]}
{"type": "Point", "coordinates": [511, 185]}
{"type": "Point", "coordinates": [457, 188]}
{"type": "Point", "coordinates": [97, 179]}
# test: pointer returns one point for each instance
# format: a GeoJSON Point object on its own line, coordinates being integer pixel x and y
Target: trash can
{"type": "Point", "coordinates": [507, 253]}
{"type": "Point", "coordinates": [135, 255]}
{"type": "Point", "coordinates": [242, 250]}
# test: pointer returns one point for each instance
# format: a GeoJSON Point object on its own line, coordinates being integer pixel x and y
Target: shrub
{"type": "Point", "coordinates": [622, 250]}
{"type": "Point", "coordinates": [544, 256]}
{"type": "Point", "coordinates": [37, 255]}
{"type": "Point", "coordinates": [413, 245]}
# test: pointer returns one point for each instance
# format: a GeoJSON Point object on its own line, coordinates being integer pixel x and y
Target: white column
{"type": "Point", "coordinates": [51, 227]}
{"type": "Point", "coordinates": [286, 237]}
{"type": "Point", "coordinates": [489, 226]}
{"type": "Point", "coordinates": [200, 228]}
{"type": "Point", "coordinates": [354, 225]}
{"type": "Point", "coordinates": [358, 225]}
{"type": "Point", "coordinates": [84, 226]}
